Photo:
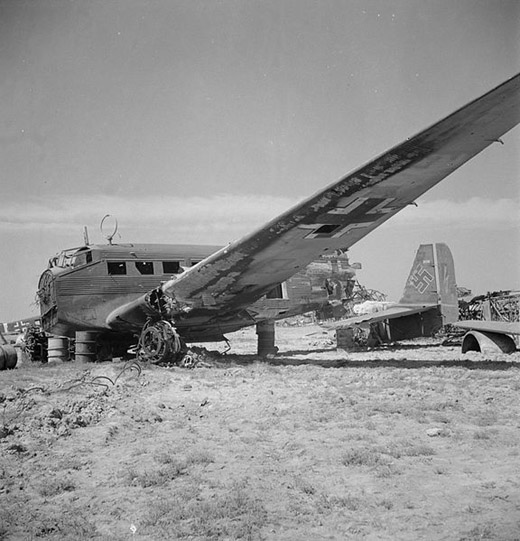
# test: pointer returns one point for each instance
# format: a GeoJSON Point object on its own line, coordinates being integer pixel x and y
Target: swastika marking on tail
{"type": "Point", "coordinates": [420, 279]}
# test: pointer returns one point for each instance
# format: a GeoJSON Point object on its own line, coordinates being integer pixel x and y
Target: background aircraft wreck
{"type": "Point", "coordinates": [11, 336]}
{"type": "Point", "coordinates": [10, 331]}
{"type": "Point", "coordinates": [492, 322]}
{"type": "Point", "coordinates": [111, 297]}
{"type": "Point", "coordinates": [429, 302]}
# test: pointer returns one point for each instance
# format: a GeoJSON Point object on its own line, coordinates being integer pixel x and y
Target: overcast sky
{"type": "Point", "coordinates": [196, 121]}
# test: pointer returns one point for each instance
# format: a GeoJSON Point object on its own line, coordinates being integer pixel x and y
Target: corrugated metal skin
{"type": "Point", "coordinates": [81, 298]}
{"type": "Point", "coordinates": [107, 285]}
{"type": "Point", "coordinates": [94, 280]}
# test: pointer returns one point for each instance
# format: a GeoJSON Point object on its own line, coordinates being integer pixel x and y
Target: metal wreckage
{"type": "Point", "coordinates": [159, 298]}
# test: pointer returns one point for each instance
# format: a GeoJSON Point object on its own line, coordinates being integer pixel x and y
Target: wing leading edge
{"type": "Point", "coordinates": [506, 327]}
{"type": "Point", "coordinates": [226, 283]}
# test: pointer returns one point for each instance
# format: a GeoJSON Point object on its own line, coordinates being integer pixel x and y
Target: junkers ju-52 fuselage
{"type": "Point", "coordinates": [82, 286]}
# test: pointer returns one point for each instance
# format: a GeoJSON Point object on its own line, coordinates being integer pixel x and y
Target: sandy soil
{"type": "Point", "coordinates": [412, 442]}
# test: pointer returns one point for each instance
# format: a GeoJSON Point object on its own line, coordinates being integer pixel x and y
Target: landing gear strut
{"type": "Point", "coordinates": [266, 338]}
{"type": "Point", "coordinates": [159, 342]}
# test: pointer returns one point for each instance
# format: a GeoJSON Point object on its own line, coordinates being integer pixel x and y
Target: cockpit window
{"type": "Point", "coordinates": [116, 267]}
{"type": "Point", "coordinates": [144, 267]}
{"type": "Point", "coordinates": [71, 258]}
{"type": "Point", "coordinates": [82, 258]}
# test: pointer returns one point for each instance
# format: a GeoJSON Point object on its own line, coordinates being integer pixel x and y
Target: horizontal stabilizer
{"type": "Point", "coordinates": [390, 313]}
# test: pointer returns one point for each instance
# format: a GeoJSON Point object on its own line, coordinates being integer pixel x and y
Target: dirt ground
{"type": "Point", "coordinates": [411, 442]}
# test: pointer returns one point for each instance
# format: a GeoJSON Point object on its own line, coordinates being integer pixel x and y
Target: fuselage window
{"type": "Point", "coordinates": [116, 267]}
{"type": "Point", "coordinates": [172, 267]}
{"type": "Point", "coordinates": [275, 293]}
{"type": "Point", "coordinates": [144, 267]}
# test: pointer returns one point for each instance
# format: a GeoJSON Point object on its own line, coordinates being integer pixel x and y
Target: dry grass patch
{"type": "Point", "coordinates": [364, 457]}
{"type": "Point", "coordinates": [231, 514]}
{"type": "Point", "coordinates": [57, 485]}
{"type": "Point", "coordinates": [382, 455]}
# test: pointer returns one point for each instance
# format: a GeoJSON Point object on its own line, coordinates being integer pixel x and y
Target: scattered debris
{"type": "Point", "coordinates": [36, 344]}
{"type": "Point", "coordinates": [495, 306]}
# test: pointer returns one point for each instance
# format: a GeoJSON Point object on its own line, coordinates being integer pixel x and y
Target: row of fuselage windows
{"type": "Point", "coordinates": [146, 267]}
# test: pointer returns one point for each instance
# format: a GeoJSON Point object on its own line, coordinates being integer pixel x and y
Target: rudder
{"type": "Point", "coordinates": [447, 284]}
{"type": "Point", "coordinates": [432, 281]}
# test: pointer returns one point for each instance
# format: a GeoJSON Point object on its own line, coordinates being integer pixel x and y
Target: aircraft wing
{"type": "Point", "coordinates": [227, 282]}
{"type": "Point", "coordinates": [502, 327]}
{"type": "Point", "coordinates": [390, 313]}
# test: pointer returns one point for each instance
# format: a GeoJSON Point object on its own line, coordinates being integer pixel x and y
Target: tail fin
{"type": "Point", "coordinates": [432, 280]}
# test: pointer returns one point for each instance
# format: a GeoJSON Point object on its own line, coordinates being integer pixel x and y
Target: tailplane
{"type": "Point", "coordinates": [432, 281]}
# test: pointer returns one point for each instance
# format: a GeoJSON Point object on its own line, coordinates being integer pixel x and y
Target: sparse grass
{"type": "Point", "coordinates": [364, 457]}
{"type": "Point", "coordinates": [473, 509]}
{"type": "Point", "coordinates": [304, 485]}
{"type": "Point", "coordinates": [68, 523]}
{"type": "Point", "coordinates": [480, 532]}
{"type": "Point", "coordinates": [385, 471]}
{"type": "Point", "coordinates": [233, 514]}
{"type": "Point", "coordinates": [381, 455]}
{"type": "Point", "coordinates": [405, 448]}
{"type": "Point", "coordinates": [170, 468]}
{"type": "Point", "coordinates": [326, 503]}
{"type": "Point", "coordinates": [198, 456]}
{"type": "Point", "coordinates": [386, 503]}
{"type": "Point", "coordinates": [150, 477]}
{"type": "Point", "coordinates": [440, 417]}
{"type": "Point", "coordinates": [6, 523]}
{"type": "Point", "coordinates": [485, 434]}
{"type": "Point", "coordinates": [68, 463]}
{"type": "Point", "coordinates": [55, 486]}
{"type": "Point", "coordinates": [111, 433]}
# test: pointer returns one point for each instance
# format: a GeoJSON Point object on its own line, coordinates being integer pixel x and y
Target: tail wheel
{"type": "Point", "coordinates": [159, 342]}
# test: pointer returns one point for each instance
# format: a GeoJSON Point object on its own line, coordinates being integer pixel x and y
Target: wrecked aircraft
{"type": "Point", "coordinates": [492, 322]}
{"type": "Point", "coordinates": [82, 283]}
{"type": "Point", "coordinates": [163, 297]}
{"type": "Point", "coordinates": [11, 338]}
{"type": "Point", "coordinates": [429, 302]}
{"type": "Point", "coordinates": [12, 330]}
